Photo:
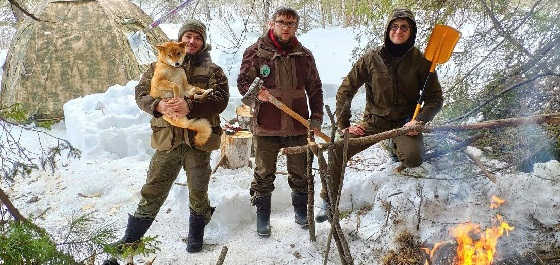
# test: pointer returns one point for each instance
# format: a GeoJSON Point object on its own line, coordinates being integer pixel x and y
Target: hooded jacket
{"type": "Point", "coordinates": [291, 76]}
{"type": "Point", "coordinates": [392, 83]}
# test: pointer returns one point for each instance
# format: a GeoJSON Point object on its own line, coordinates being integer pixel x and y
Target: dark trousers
{"type": "Point", "coordinates": [266, 154]}
{"type": "Point", "coordinates": [163, 170]}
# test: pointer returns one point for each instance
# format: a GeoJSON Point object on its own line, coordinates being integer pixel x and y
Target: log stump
{"type": "Point", "coordinates": [235, 150]}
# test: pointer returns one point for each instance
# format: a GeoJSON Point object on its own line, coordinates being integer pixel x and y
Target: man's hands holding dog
{"type": "Point", "coordinates": [173, 107]}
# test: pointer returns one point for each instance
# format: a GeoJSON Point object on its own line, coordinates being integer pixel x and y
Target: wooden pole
{"type": "Point", "coordinates": [553, 118]}
{"type": "Point", "coordinates": [310, 190]}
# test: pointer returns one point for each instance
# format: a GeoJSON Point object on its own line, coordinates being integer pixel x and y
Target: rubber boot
{"type": "Point", "coordinates": [111, 261]}
{"type": "Point", "coordinates": [299, 201]}
{"type": "Point", "coordinates": [324, 214]}
{"type": "Point", "coordinates": [196, 231]}
{"type": "Point", "coordinates": [135, 230]}
{"type": "Point", "coordinates": [263, 215]}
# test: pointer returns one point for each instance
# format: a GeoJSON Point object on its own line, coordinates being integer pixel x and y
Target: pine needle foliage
{"type": "Point", "coordinates": [21, 243]}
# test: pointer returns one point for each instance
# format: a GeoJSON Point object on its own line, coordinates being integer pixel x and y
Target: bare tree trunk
{"type": "Point", "coordinates": [207, 10]}
{"type": "Point", "coordinates": [266, 14]}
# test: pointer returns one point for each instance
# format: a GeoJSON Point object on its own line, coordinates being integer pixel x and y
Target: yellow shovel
{"type": "Point", "coordinates": [439, 49]}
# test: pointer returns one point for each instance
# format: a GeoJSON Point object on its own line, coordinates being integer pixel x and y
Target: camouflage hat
{"type": "Point", "coordinates": [194, 25]}
{"type": "Point", "coordinates": [403, 13]}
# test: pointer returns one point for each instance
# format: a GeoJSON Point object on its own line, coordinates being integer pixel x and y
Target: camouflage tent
{"type": "Point", "coordinates": [81, 48]}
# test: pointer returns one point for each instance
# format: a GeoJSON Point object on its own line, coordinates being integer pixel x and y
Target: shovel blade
{"type": "Point", "coordinates": [441, 44]}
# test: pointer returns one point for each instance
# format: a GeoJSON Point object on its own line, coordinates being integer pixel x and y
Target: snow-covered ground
{"type": "Point", "coordinates": [113, 135]}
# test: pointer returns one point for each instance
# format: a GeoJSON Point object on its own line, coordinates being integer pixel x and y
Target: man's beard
{"type": "Point", "coordinates": [281, 41]}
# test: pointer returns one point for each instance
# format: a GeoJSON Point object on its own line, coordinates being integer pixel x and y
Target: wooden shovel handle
{"type": "Point", "coordinates": [295, 115]}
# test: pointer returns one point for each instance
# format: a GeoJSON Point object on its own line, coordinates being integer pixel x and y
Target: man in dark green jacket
{"type": "Point", "coordinates": [174, 147]}
{"type": "Point", "coordinates": [393, 75]}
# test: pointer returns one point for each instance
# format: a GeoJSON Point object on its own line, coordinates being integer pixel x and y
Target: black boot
{"type": "Point", "coordinates": [135, 230]}
{"type": "Point", "coordinates": [263, 215]}
{"type": "Point", "coordinates": [111, 261]}
{"type": "Point", "coordinates": [196, 231]}
{"type": "Point", "coordinates": [324, 214]}
{"type": "Point", "coordinates": [299, 201]}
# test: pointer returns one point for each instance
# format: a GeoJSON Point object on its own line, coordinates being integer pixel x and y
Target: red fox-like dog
{"type": "Point", "coordinates": [170, 81]}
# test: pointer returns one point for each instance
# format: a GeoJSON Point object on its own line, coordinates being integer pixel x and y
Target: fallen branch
{"type": "Point", "coordinates": [456, 147]}
{"type": "Point", "coordinates": [222, 257]}
{"type": "Point", "coordinates": [419, 191]}
{"type": "Point", "coordinates": [23, 10]}
{"type": "Point", "coordinates": [553, 118]}
{"type": "Point", "coordinates": [479, 164]}
{"type": "Point", "coordinates": [4, 199]}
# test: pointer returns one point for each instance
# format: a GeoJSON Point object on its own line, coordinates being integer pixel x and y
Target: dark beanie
{"type": "Point", "coordinates": [194, 25]}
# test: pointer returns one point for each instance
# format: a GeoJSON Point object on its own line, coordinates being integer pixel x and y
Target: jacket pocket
{"type": "Point", "coordinates": [213, 142]}
{"type": "Point", "coordinates": [162, 134]}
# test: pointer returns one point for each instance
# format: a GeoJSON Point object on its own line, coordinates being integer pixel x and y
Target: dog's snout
{"type": "Point", "coordinates": [177, 64]}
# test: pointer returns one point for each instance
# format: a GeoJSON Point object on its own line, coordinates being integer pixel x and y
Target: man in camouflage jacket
{"type": "Point", "coordinates": [289, 74]}
{"type": "Point", "coordinates": [393, 75]}
{"type": "Point", "coordinates": [174, 147]}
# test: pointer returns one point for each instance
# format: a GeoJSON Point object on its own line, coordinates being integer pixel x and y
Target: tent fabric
{"type": "Point", "coordinates": [81, 48]}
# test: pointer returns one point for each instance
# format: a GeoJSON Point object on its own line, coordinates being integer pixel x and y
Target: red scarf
{"type": "Point", "coordinates": [277, 44]}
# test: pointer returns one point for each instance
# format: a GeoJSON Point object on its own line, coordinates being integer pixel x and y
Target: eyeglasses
{"type": "Point", "coordinates": [286, 24]}
{"type": "Point", "coordinates": [403, 27]}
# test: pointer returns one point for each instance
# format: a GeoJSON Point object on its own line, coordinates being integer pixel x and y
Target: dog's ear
{"type": "Point", "coordinates": [160, 47]}
{"type": "Point", "coordinates": [182, 44]}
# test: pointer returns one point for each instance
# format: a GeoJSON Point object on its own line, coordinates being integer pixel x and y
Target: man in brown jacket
{"type": "Point", "coordinates": [174, 147]}
{"type": "Point", "coordinates": [289, 74]}
{"type": "Point", "coordinates": [393, 75]}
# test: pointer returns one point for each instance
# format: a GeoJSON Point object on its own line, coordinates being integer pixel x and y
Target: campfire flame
{"type": "Point", "coordinates": [496, 202]}
{"type": "Point", "coordinates": [478, 252]}
{"type": "Point", "coordinates": [474, 246]}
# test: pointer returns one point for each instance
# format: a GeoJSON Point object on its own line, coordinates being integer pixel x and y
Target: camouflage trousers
{"type": "Point", "coordinates": [409, 149]}
{"type": "Point", "coordinates": [163, 170]}
{"type": "Point", "coordinates": [266, 154]}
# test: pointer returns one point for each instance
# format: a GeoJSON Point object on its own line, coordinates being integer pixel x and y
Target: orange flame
{"type": "Point", "coordinates": [475, 247]}
{"type": "Point", "coordinates": [481, 251]}
{"type": "Point", "coordinates": [496, 202]}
